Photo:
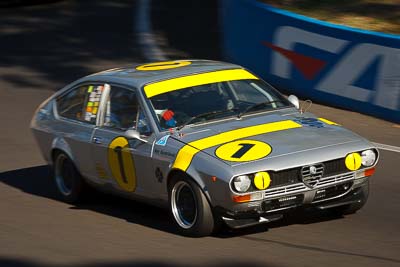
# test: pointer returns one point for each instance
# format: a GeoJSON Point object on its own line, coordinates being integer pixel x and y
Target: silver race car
{"type": "Point", "coordinates": [210, 140]}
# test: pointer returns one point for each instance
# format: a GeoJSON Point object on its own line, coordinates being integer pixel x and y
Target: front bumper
{"type": "Point", "coordinates": [332, 192]}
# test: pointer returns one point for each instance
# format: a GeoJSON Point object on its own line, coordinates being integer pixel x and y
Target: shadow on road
{"type": "Point", "coordinates": [50, 45]}
{"type": "Point", "coordinates": [9, 262]}
{"type": "Point", "coordinates": [38, 181]}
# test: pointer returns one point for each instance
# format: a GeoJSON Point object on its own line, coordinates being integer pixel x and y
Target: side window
{"type": "Point", "coordinates": [123, 111]}
{"type": "Point", "coordinates": [143, 126]}
{"type": "Point", "coordinates": [81, 103]}
{"type": "Point", "coordinates": [71, 105]}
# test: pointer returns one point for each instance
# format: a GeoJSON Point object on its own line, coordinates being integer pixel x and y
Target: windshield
{"type": "Point", "coordinates": [202, 103]}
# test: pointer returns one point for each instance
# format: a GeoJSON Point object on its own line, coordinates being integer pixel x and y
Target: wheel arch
{"type": "Point", "coordinates": [193, 176]}
{"type": "Point", "coordinates": [60, 145]}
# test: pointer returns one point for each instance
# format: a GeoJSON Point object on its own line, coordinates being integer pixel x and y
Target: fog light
{"type": "Point", "coordinates": [353, 161]}
{"type": "Point", "coordinates": [262, 180]}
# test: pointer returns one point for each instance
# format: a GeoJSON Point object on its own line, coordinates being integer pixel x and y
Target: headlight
{"type": "Point", "coordinates": [241, 183]}
{"type": "Point", "coordinates": [368, 158]}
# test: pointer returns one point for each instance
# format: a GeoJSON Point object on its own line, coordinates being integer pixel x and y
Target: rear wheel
{"type": "Point", "coordinates": [190, 209]}
{"type": "Point", "coordinates": [68, 180]}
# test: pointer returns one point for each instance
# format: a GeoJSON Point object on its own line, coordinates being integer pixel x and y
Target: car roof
{"type": "Point", "coordinates": [133, 76]}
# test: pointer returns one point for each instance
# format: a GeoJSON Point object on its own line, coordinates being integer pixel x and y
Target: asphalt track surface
{"type": "Point", "coordinates": [43, 48]}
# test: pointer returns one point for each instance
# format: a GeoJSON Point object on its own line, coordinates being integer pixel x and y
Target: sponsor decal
{"type": "Point", "coordinates": [101, 171]}
{"type": "Point", "coordinates": [314, 122]}
{"type": "Point", "coordinates": [311, 122]}
{"type": "Point", "coordinates": [164, 153]}
{"type": "Point", "coordinates": [328, 65]}
{"type": "Point", "coordinates": [159, 175]}
{"type": "Point", "coordinates": [92, 105]}
{"type": "Point", "coordinates": [163, 140]}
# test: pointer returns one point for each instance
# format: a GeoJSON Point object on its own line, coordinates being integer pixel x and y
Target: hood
{"type": "Point", "coordinates": [251, 139]}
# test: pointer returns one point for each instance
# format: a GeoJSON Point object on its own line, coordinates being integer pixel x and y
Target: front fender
{"type": "Point", "coordinates": [212, 176]}
{"type": "Point", "coordinates": [59, 143]}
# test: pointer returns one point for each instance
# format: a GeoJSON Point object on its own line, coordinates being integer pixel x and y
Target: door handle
{"type": "Point", "coordinates": [97, 140]}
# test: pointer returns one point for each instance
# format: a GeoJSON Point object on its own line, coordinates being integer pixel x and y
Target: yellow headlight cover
{"type": "Point", "coordinates": [353, 161]}
{"type": "Point", "coordinates": [262, 180]}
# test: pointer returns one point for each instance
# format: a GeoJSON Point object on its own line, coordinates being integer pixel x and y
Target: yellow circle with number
{"type": "Point", "coordinates": [243, 150]}
{"type": "Point", "coordinates": [262, 180]}
{"type": "Point", "coordinates": [121, 163]}
{"type": "Point", "coordinates": [353, 161]}
{"type": "Point", "coordinates": [164, 65]}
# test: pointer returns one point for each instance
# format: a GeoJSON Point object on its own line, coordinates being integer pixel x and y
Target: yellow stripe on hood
{"type": "Point", "coordinates": [187, 152]}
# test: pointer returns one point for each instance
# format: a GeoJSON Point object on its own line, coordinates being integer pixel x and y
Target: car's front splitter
{"type": "Point", "coordinates": [274, 209]}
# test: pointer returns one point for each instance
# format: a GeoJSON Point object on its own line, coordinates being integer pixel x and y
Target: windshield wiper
{"type": "Point", "coordinates": [206, 114]}
{"type": "Point", "coordinates": [256, 106]}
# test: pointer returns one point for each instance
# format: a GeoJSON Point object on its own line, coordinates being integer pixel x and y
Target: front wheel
{"type": "Point", "coordinates": [190, 209]}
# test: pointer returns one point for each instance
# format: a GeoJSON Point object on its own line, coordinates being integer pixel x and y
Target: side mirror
{"type": "Point", "coordinates": [133, 134]}
{"type": "Point", "coordinates": [294, 100]}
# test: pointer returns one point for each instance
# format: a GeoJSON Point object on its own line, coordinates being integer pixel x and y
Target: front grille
{"type": "Point", "coordinates": [283, 202]}
{"type": "Point", "coordinates": [331, 192]}
{"type": "Point", "coordinates": [336, 179]}
{"type": "Point", "coordinates": [292, 176]}
{"type": "Point", "coordinates": [312, 174]}
{"type": "Point", "coordinates": [300, 187]}
{"type": "Point", "coordinates": [335, 166]}
{"type": "Point", "coordinates": [284, 177]}
{"type": "Point", "coordinates": [288, 189]}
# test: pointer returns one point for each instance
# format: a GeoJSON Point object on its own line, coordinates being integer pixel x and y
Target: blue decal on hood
{"type": "Point", "coordinates": [311, 122]}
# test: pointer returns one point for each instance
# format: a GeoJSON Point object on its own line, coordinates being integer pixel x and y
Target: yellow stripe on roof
{"type": "Point", "coordinates": [186, 153]}
{"type": "Point", "coordinates": [196, 79]}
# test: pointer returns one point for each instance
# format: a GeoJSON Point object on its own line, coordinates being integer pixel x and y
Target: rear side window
{"type": "Point", "coordinates": [81, 103]}
{"type": "Point", "coordinates": [71, 105]}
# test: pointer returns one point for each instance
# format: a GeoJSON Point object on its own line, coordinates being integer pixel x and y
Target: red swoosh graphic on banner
{"type": "Point", "coordinates": [308, 66]}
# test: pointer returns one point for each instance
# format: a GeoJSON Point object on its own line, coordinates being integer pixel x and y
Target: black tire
{"type": "Point", "coordinates": [190, 208]}
{"type": "Point", "coordinates": [69, 182]}
{"type": "Point", "coordinates": [354, 207]}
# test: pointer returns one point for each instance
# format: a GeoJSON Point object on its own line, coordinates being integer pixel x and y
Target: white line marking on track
{"type": "Point", "coordinates": [387, 147]}
{"type": "Point", "coordinates": [147, 40]}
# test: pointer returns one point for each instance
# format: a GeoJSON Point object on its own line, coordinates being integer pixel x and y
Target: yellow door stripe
{"type": "Point", "coordinates": [196, 79]}
{"type": "Point", "coordinates": [186, 153]}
